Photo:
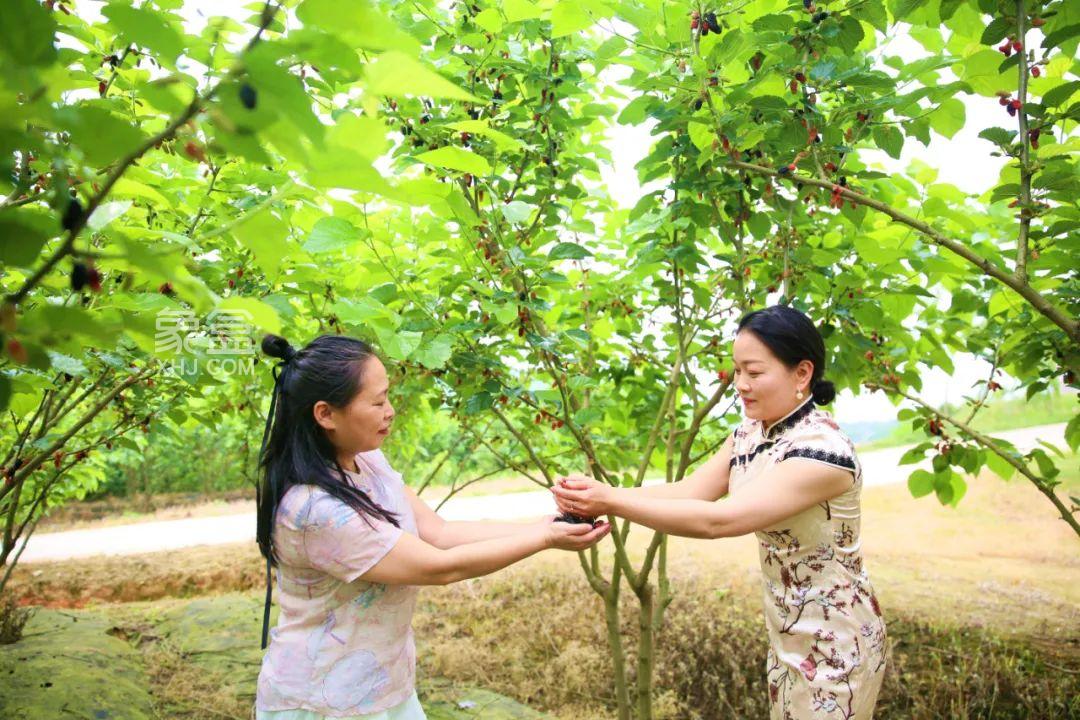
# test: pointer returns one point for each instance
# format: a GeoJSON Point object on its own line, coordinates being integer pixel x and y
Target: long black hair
{"type": "Point", "coordinates": [296, 449]}
{"type": "Point", "coordinates": [792, 338]}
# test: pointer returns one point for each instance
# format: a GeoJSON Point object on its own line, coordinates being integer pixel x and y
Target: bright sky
{"type": "Point", "coordinates": [963, 160]}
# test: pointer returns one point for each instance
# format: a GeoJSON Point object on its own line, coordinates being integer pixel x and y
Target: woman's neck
{"type": "Point", "coordinates": [770, 424]}
{"type": "Point", "coordinates": [348, 462]}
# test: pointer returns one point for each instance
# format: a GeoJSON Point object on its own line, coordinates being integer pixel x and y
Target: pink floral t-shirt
{"type": "Point", "coordinates": [342, 646]}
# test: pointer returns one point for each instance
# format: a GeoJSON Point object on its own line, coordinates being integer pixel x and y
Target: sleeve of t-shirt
{"type": "Point", "coordinates": [824, 445]}
{"type": "Point", "coordinates": [343, 544]}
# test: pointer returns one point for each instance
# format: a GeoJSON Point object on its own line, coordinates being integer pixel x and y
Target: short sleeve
{"type": "Point", "coordinates": [821, 443]}
{"type": "Point", "coordinates": [340, 542]}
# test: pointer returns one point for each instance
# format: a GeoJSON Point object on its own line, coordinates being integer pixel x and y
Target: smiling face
{"type": "Point", "coordinates": [766, 385]}
{"type": "Point", "coordinates": [364, 423]}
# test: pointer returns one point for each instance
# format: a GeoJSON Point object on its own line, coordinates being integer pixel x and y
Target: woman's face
{"type": "Point", "coordinates": [365, 422]}
{"type": "Point", "coordinates": [767, 386]}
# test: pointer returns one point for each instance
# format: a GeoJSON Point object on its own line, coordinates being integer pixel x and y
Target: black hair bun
{"type": "Point", "coordinates": [824, 392]}
{"type": "Point", "coordinates": [278, 347]}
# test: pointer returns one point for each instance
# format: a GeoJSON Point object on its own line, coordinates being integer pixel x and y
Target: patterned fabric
{"type": "Point", "coordinates": [411, 709]}
{"type": "Point", "coordinates": [827, 644]}
{"type": "Point", "coordinates": [342, 647]}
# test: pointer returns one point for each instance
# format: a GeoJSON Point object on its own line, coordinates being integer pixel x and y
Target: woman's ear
{"type": "Point", "coordinates": [324, 415]}
{"type": "Point", "coordinates": [804, 371]}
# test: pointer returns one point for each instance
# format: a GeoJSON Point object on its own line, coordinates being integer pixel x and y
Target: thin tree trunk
{"type": "Point", "coordinates": [645, 654]}
{"type": "Point", "coordinates": [615, 645]}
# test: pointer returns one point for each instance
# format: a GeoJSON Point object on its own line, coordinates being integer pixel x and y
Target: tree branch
{"type": "Point", "coordinates": [1040, 483]}
{"type": "Point", "coordinates": [1010, 280]}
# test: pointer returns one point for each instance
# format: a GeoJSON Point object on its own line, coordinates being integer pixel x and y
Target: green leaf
{"type": "Point", "coordinates": [282, 90]}
{"type": "Point", "coordinates": [517, 10]}
{"type": "Point", "coordinates": [478, 403]}
{"type": "Point", "coordinates": [889, 139]}
{"type": "Point", "coordinates": [103, 137]}
{"type": "Point", "coordinates": [1045, 463]}
{"type": "Point", "coordinates": [1061, 36]}
{"type": "Point", "coordinates": [579, 336]}
{"type": "Point", "coordinates": [850, 35]}
{"type": "Point", "coordinates": [489, 20]}
{"type": "Point", "coordinates": [569, 17]}
{"type": "Point", "coordinates": [901, 9]}
{"type": "Point", "coordinates": [1061, 94]}
{"type": "Point", "coordinates": [482, 127]}
{"type": "Point", "coordinates": [434, 353]}
{"type": "Point", "coordinates": [455, 158]}
{"type": "Point", "coordinates": [999, 136]}
{"type": "Point", "coordinates": [920, 483]}
{"type": "Point", "coordinates": [568, 251]}
{"type": "Point", "coordinates": [949, 118]}
{"type": "Point", "coordinates": [357, 23]}
{"type": "Point", "coordinates": [106, 213]}
{"type": "Point", "coordinates": [5, 392]}
{"type": "Point", "coordinates": [950, 488]}
{"type": "Point", "coordinates": [361, 134]}
{"type": "Point", "coordinates": [396, 74]}
{"type": "Point", "coordinates": [1072, 433]}
{"type": "Point", "coordinates": [517, 212]}
{"type": "Point", "coordinates": [996, 31]}
{"type": "Point", "coordinates": [147, 28]}
{"type": "Point", "coordinates": [331, 234]}
{"type": "Point", "coordinates": [26, 33]}
{"type": "Point", "coordinates": [23, 232]}
{"type": "Point", "coordinates": [915, 454]}
{"type": "Point", "coordinates": [264, 235]}
{"type": "Point", "coordinates": [398, 344]}
{"type": "Point", "coordinates": [981, 70]}
{"type": "Point", "coordinates": [67, 364]}
{"type": "Point", "coordinates": [258, 313]}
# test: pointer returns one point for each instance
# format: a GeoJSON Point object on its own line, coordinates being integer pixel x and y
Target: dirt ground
{"type": "Point", "coordinates": [1001, 559]}
{"type": "Point", "coordinates": [983, 602]}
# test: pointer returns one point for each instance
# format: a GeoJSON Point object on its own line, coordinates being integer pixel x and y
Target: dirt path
{"type": "Point", "coordinates": [879, 468]}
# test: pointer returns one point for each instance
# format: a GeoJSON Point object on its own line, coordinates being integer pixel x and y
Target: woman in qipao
{"type": "Point", "coordinates": [351, 542]}
{"type": "Point", "coordinates": [790, 476]}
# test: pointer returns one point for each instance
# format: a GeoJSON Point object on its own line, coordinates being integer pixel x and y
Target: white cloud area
{"type": "Point", "coordinates": [963, 160]}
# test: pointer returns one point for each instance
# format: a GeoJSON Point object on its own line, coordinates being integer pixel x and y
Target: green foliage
{"type": "Point", "coordinates": [428, 176]}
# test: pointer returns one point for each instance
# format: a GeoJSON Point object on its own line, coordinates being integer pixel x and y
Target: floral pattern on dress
{"type": "Point", "coordinates": [827, 639]}
{"type": "Point", "coordinates": [342, 646]}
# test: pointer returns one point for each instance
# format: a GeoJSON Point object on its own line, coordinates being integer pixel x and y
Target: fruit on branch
{"type": "Point", "coordinates": [73, 215]}
{"type": "Point", "coordinates": [248, 96]}
{"type": "Point", "coordinates": [17, 352]}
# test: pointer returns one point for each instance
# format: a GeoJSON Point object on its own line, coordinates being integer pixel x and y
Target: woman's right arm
{"type": "Point", "coordinates": [411, 561]}
{"type": "Point", "coordinates": [707, 482]}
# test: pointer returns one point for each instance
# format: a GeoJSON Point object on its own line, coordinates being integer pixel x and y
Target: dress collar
{"type": "Point", "coordinates": [788, 420]}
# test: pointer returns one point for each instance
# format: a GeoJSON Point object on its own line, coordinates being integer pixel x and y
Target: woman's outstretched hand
{"type": "Point", "coordinates": [582, 496]}
{"type": "Point", "coordinates": [567, 536]}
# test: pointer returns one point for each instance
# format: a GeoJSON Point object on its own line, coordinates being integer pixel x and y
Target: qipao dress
{"type": "Point", "coordinates": [827, 642]}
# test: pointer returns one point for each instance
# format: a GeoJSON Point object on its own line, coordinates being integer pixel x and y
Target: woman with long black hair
{"type": "Point", "coordinates": [351, 542]}
{"type": "Point", "coordinates": [791, 477]}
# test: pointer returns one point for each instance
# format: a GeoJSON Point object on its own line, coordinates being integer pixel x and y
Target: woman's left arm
{"type": "Point", "coordinates": [787, 489]}
{"type": "Point", "coordinates": [445, 534]}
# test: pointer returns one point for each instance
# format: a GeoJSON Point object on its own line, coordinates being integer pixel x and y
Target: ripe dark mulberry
{"type": "Point", "coordinates": [73, 215]}
{"type": "Point", "coordinates": [248, 96]}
